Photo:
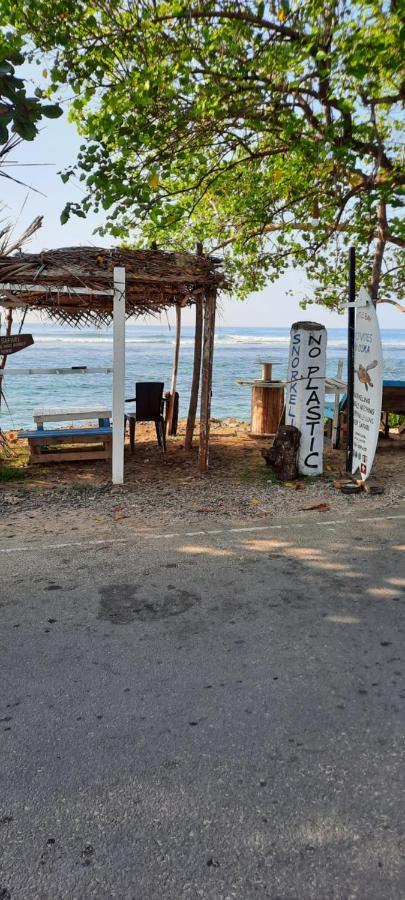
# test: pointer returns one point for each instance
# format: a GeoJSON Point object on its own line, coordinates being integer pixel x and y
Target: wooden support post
{"type": "Point", "coordinates": [118, 405]}
{"type": "Point", "coordinates": [335, 423]}
{"type": "Point", "coordinates": [9, 328]}
{"type": "Point", "coordinates": [192, 411]}
{"type": "Point", "coordinates": [173, 384]}
{"type": "Point", "coordinates": [206, 387]}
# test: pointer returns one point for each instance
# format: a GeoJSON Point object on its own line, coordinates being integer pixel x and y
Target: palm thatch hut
{"type": "Point", "coordinates": [97, 286]}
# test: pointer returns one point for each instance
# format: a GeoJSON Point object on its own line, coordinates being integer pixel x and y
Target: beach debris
{"type": "Point", "coordinates": [350, 487]}
{"type": "Point", "coordinates": [373, 485]}
{"type": "Point", "coordinates": [319, 507]}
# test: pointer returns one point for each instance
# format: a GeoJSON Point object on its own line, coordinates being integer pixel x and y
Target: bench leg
{"type": "Point", "coordinates": [35, 453]}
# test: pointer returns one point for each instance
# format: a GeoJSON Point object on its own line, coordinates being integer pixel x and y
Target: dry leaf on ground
{"type": "Point", "coordinates": [320, 507]}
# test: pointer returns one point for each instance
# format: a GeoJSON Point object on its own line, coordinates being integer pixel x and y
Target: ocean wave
{"type": "Point", "coordinates": [230, 340]}
{"type": "Point", "coordinates": [56, 339]}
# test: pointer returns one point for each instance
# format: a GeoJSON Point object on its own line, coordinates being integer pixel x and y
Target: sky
{"type": "Point", "coordinates": [55, 148]}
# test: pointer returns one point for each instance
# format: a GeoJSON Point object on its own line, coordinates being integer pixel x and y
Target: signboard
{"type": "Point", "coordinates": [15, 342]}
{"type": "Point", "coordinates": [368, 386]}
{"type": "Point", "coordinates": [305, 393]}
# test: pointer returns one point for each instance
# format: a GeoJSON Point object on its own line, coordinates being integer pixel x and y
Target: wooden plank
{"type": "Point", "coordinates": [72, 370]}
{"type": "Point", "coordinates": [206, 387]}
{"type": "Point", "coordinates": [50, 288]}
{"type": "Point", "coordinates": [170, 410]}
{"type": "Point", "coordinates": [195, 386]}
{"type": "Point", "coordinates": [43, 438]}
{"type": "Point", "coordinates": [65, 456]}
{"type": "Point", "coordinates": [393, 400]}
{"type": "Point", "coordinates": [66, 414]}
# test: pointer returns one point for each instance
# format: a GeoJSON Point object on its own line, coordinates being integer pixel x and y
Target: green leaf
{"type": "Point", "coordinates": [3, 133]}
{"type": "Point", "coordinates": [52, 111]}
{"type": "Point", "coordinates": [25, 129]}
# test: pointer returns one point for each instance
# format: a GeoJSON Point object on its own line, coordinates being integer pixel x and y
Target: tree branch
{"type": "Point", "coordinates": [236, 15]}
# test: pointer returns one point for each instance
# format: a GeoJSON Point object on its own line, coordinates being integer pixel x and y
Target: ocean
{"type": "Point", "coordinates": [149, 353]}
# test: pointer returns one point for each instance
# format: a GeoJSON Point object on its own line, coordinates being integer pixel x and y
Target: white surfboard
{"type": "Point", "coordinates": [368, 386]}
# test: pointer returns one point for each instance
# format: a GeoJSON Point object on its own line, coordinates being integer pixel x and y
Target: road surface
{"type": "Point", "coordinates": [215, 714]}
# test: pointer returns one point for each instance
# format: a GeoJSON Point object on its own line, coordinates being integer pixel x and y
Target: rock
{"type": "Point", "coordinates": [373, 485]}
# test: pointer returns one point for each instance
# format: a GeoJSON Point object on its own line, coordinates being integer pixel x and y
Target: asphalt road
{"type": "Point", "coordinates": [206, 715]}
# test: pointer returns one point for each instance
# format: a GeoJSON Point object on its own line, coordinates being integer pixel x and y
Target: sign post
{"type": "Point", "coordinates": [12, 343]}
{"type": "Point", "coordinates": [368, 386]}
{"type": "Point", "coordinates": [305, 394]}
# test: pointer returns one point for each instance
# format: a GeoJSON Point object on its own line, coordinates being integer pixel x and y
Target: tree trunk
{"type": "Point", "coordinates": [206, 386]}
{"type": "Point", "coordinates": [192, 412]}
{"type": "Point", "coordinates": [283, 455]}
{"type": "Point", "coordinates": [379, 252]}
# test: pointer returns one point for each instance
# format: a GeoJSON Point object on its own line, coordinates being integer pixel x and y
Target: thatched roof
{"type": "Point", "coordinates": [74, 284]}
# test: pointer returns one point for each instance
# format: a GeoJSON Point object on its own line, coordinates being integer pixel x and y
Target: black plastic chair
{"type": "Point", "coordinates": [149, 408]}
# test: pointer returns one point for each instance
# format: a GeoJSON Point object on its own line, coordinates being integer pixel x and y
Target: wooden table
{"type": "Point", "coordinates": [49, 444]}
{"type": "Point", "coordinates": [267, 402]}
{"type": "Point", "coordinates": [274, 410]}
{"type": "Point", "coordinates": [43, 414]}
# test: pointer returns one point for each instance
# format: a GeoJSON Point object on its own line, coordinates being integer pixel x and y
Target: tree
{"type": "Point", "coordinates": [270, 131]}
{"type": "Point", "coordinates": [20, 114]}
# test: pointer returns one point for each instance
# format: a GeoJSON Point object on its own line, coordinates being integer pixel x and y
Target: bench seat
{"type": "Point", "coordinates": [49, 445]}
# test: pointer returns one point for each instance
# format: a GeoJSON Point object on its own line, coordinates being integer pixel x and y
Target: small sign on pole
{"type": "Point", "coordinates": [368, 386]}
{"type": "Point", "coordinates": [305, 394]}
{"type": "Point", "coordinates": [15, 342]}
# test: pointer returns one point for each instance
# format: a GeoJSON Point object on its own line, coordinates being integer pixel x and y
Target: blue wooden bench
{"type": "Point", "coordinates": [68, 444]}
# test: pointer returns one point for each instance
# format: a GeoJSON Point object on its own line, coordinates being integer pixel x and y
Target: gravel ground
{"type": "Point", "coordinates": [162, 489]}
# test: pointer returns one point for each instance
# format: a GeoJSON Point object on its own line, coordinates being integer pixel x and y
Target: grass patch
{"type": "Point", "coordinates": [395, 421]}
{"type": "Point", "coordinates": [13, 462]}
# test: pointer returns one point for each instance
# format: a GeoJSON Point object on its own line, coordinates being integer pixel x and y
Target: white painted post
{"type": "Point", "coordinates": [305, 394]}
{"type": "Point", "coordinates": [118, 405]}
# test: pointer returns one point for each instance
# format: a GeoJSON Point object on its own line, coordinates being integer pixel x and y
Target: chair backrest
{"type": "Point", "coordinates": [149, 395]}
